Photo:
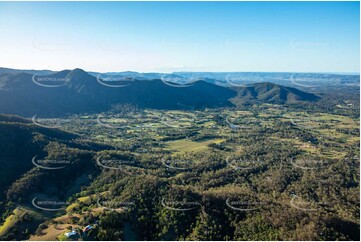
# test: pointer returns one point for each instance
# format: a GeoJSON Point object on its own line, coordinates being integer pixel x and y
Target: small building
{"type": "Point", "coordinates": [72, 233]}
{"type": "Point", "coordinates": [87, 228]}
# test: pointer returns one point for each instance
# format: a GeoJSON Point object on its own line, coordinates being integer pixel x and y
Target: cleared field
{"type": "Point", "coordinates": [55, 230]}
{"type": "Point", "coordinates": [10, 221]}
{"type": "Point", "coordinates": [186, 145]}
{"type": "Point", "coordinates": [17, 216]}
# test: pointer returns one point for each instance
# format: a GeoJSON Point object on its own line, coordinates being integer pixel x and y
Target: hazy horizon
{"type": "Point", "coordinates": [195, 71]}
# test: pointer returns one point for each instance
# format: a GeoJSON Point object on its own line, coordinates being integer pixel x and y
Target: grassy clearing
{"type": "Point", "coordinates": [56, 231]}
{"type": "Point", "coordinates": [17, 217]}
{"type": "Point", "coordinates": [186, 145]}
{"type": "Point", "coordinates": [76, 205]}
{"type": "Point", "coordinates": [10, 222]}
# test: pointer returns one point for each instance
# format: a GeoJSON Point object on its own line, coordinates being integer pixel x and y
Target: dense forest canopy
{"type": "Point", "coordinates": [260, 161]}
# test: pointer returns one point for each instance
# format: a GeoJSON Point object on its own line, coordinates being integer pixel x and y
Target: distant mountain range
{"type": "Point", "coordinates": [298, 80]}
{"type": "Point", "coordinates": [304, 81]}
{"type": "Point", "coordinates": [76, 91]}
{"type": "Point", "coordinates": [48, 93]}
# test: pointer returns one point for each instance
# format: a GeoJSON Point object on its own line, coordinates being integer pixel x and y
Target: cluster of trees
{"type": "Point", "coordinates": [273, 199]}
{"type": "Point", "coordinates": [328, 210]}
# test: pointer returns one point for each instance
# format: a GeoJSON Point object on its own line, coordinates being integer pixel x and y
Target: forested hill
{"type": "Point", "coordinates": [17, 132]}
{"type": "Point", "coordinates": [272, 93]}
{"type": "Point", "coordinates": [78, 92]}
{"type": "Point", "coordinates": [28, 169]}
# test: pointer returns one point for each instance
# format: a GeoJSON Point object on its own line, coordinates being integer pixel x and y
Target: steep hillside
{"type": "Point", "coordinates": [76, 91]}
{"type": "Point", "coordinates": [38, 162]}
{"type": "Point", "coordinates": [16, 132]}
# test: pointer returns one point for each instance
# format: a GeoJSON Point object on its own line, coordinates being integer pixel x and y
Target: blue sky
{"type": "Point", "coordinates": [181, 36]}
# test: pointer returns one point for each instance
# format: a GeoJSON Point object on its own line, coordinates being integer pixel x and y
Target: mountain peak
{"type": "Point", "coordinates": [78, 70]}
{"type": "Point", "coordinates": [79, 75]}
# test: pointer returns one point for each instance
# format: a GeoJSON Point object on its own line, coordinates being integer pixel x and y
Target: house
{"type": "Point", "coordinates": [87, 228]}
{"type": "Point", "coordinates": [72, 233]}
